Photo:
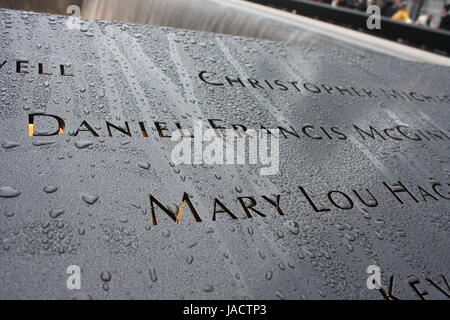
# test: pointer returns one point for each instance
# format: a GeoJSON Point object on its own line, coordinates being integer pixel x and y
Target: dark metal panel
{"type": "Point", "coordinates": [74, 198]}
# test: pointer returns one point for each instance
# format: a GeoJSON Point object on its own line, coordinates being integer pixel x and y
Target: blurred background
{"type": "Point", "coordinates": [412, 29]}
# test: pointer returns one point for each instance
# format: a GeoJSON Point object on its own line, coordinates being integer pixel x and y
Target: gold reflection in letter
{"type": "Point", "coordinates": [179, 211]}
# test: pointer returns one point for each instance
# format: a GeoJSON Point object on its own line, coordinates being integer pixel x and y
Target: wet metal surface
{"type": "Point", "coordinates": [363, 180]}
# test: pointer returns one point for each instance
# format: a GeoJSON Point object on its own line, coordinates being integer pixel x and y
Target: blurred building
{"type": "Point", "coordinates": [49, 6]}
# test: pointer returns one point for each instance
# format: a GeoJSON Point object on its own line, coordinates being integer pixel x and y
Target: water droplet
{"type": "Point", "coordinates": [152, 273]}
{"type": "Point", "coordinates": [208, 288]}
{"type": "Point", "coordinates": [144, 165]}
{"type": "Point", "coordinates": [90, 199]}
{"type": "Point", "coordinates": [83, 144]}
{"type": "Point", "coordinates": [40, 143]}
{"type": "Point", "coordinates": [105, 276]}
{"type": "Point", "coordinates": [280, 295]}
{"type": "Point", "coordinates": [166, 233]}
{"type": "Point", "coordinates": [56, 213]}
{"type": "Point", "coordinates": [50, 189]}
{"type": "Point", "coordinates": [82, 296]}
{"type": "Point", "coordinates": [9, 144]}
{"type": "Point", "coordinates": [8, 192]}
{"type": "Point", "coordinates": [292, 226]}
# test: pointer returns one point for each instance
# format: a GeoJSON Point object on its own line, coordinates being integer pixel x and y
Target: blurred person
{"type": "Point", "coordinates": [445, 20]}
{"type": "Point", "coordinates": [374, 3]}
{"type": "Point", "coordinates": [424, 20]}
{"type": "Point", "coordinates": [414, 9]}
{"type": "Point", "coordinates": [389, 8]}
{"type": "Point", "coordinates": [402, 13]}
{"type": "Point", "coordinates": [361, 5]}
{"type": "Point", "coordinates": [341, 3]}
{"type": "Point", "coordinates": [351, 4]}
